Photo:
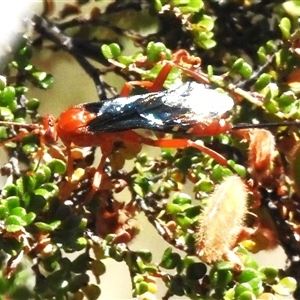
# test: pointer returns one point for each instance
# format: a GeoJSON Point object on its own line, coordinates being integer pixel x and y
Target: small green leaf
{"type": "Point", "coordinates": [7, 96]}
{"type": "Point", "coordinates": [141, 287]}
{"type": "Point", "coordinates": [242, 68]}
{"type": "Point", "coordinates": [248, 274]}
{"type": "Point", "coordinates": [57, 166]}
{"type": "Point", "coordinates": [6, 114]}
{"type": "Point", "coordinates": [292, 8]}
{"type": "Point", "coordinates": [11, 190]}
{"type": "Point", "coordinates": [30, 148]}
{"type": "Point", "coordinates": [126, 60]}
{"type": "Point", "coordinates": [206, 43]}
{"type": "Point", "coordinates": [154, 51]}
{"type": "Point", "coordinates": [196, 271]}
{"type": "Point", "coordinates": [170, 260]}
{"type": "Point", "coordinates": [28, 183]}
{"type": "Point", "coordinates": [271, 106]}
{"type": "Point", "coordinates": [248, 295]}
{"type": "Point", "coordinates": [204, 185]}
{"type": "Point", "coordinates": [270, 273]}
{"type": "Point", "coordinates": [240, 169]}
{"type": "Point", "coordinates": [249, 262]}
{"type": "Point", "coordinates": [246, 70]}
{"type": "Point", "coordinates": [41, 79]}
{"type": "Point", "coordinates": [43, 193]}
{"type": "Point", "coordinates": [35, 203]}
{"type": "Point", "coordinates": [237, 65]}
{"type": "Point", "coordinates": [192, 212]}
{"type": "Point", "coordinates": [257, 285]}
{"type": "Point", "coordinates": [181, 199]}
{"type": "Point", "coordinates": [174, 208]}
{"type": "Point", "coordinates": [221, 274]}
{"type": "Point", "coordinates": [43, 174]}
{"type": "Point", "coordinates": [141, 186]}
{"type": "Point", "coordinates": [3, 133]}
{"type": "Point", "coordinates": [285, 27]}
{"type": "Point", "coordinates": [106, 51]}
{"type": "Point", "coordinates": [48, 227]}
{"type": "Point", "coordinates": [39, 75]}
{"type": "Point", "coordinates": [145, 255]}
{"type": "Point", "coordinates": [286, 99]}
{"type": "Point", "coordinates": [14, 220]}
{"type": "Point", "coordinates": [29, 218]}
{"type": "Point", "coordinates": [12, 202]}
{"type": "Point", "coordinates": [285, 287]}
{"type": "Point", "coordinates": [13, 106]}
{"type": "Point", "coordinates": [13, 228]}
{"type": "Point", "coordinates": [207, 23]}
{"type": "Point", "coordinates": [219, 172]}
{"type": "Point", "coordinates": [115, 49]}
{"type": "Point", "coordinates": [188, 6]}
{"type": "Point", "coordinates": [183, 221]}
{"type": "Point", "coordinates": [242, 288]}
{"type": "Point", "coordinates": [18, 211]}
{"type": "Point", "coordinates": [157, 5]}
{"type": "Point", "coordinates": [263, 80]}
{"type": "Point", "coordinates": [80, 243]}
{"type": "Point", "coordinates": [149, 268]}
{"type": "Point", "coordinates": [33, 104]}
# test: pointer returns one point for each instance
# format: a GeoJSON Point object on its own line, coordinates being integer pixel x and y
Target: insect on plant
{"type": "Point", "coordinates": [192, 109]}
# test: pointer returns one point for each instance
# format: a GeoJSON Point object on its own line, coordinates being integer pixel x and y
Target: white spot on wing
{"type": "Point", "coordinates": [205, 101]}
{"type": "Point", "coordinates": [201, 100]}
{"type": "Point", "coordinates": [153, 119]}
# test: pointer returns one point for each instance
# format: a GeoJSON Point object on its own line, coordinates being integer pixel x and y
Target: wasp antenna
{"type": "Point", "coordinates": [24, 125]}
{"type": "Point", "coordinates": [23, 130]}
{"type": "Point", "coordinates": [265, 125]}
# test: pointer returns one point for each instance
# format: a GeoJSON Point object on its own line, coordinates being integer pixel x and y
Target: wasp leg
{"type": "Point", "coordinates": [161, 78]}
{"type": "Point", "coordinates": [154, 86]}
{"type": "Point", "coordinates": [125, 92]}
{"type": "Point", "coordinates": [134, 137]}
{"type": "Point", "coordinates": [100, 178]}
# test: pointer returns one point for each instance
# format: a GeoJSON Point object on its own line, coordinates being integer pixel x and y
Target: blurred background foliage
{"type": "Point", "coordinates": [54, 242]}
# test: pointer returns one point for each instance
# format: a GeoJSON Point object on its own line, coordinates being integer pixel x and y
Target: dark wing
{"type": "Point", "coordinates": [168, 111]}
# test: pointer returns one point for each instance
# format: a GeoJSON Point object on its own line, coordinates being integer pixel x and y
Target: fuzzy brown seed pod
{"type": "Point", "coordinates": [221, 220]}
{"type": "Point", "coordinates": [261, 152]}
